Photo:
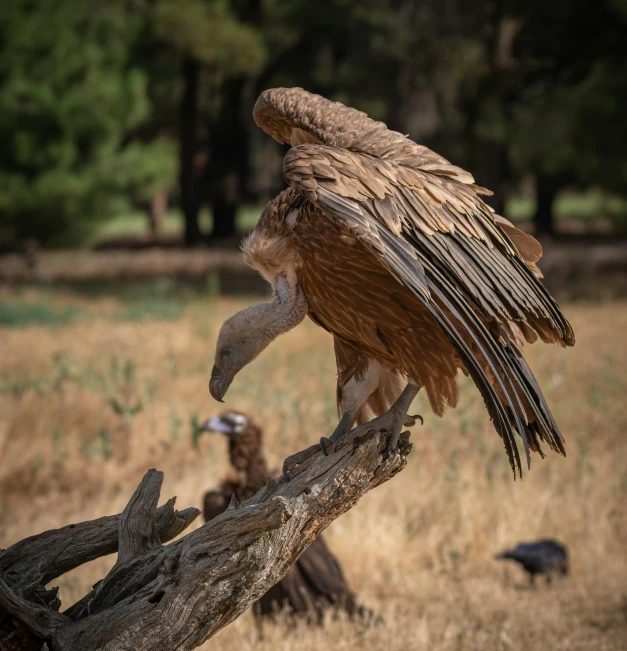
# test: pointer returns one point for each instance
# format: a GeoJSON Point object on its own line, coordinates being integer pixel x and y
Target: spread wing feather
{"type": "Point", "coordinates": [437, 237]}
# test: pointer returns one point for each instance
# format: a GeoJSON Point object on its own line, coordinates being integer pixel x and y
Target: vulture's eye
{"type": "Point", "coordinates": [226, 352]}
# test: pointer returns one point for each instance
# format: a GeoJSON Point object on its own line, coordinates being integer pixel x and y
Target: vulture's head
{"type": "Point", "coordinates": [231, 423]}
{"type": "Point", "coordinates": [239, 342]}
{"type": "Point", "coordinates": [245, 439]}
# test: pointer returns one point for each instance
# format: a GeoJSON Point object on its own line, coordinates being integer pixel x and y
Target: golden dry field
{"type": "Point", "coordinates": [88, 405]}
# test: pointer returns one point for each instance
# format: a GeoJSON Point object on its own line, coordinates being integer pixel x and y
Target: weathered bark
{"type": "Point", "coordinates": [48, 555]}
{"type": "Point", "coordinates": [28, 612]}
{"type": "Point", "coordinates": [177, 596]}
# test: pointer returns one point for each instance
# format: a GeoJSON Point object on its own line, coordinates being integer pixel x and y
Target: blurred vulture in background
{"type": "Point", "coordinates": [391, 248]}
{"type": "Point", "coordinates": [315, 582]}
{"type": "Point", "coordinates": [547, 557]}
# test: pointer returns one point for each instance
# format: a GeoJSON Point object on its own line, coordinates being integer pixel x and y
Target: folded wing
{"type": "Point", "coordinates": [437, 237]}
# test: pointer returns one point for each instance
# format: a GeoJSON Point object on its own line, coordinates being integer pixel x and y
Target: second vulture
{"type": "Point", "coordinates": [315, 582]}
{"type": "Point", "coordinates": [391, 248]}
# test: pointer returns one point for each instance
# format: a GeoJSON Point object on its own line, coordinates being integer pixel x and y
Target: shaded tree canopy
{"type": "Point", "coordinates": [103, 105]}
{"type": "Point", "coordinates": [71, 97]}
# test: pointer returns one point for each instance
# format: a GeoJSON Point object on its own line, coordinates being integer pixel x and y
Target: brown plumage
{"type": "Point", "coordinates": [390, 248]}
{"type": "Point", "coordinates": [315, 582]}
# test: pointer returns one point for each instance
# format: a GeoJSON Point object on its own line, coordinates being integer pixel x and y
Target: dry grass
{"type": "Point", "coordinates": [78, 429]}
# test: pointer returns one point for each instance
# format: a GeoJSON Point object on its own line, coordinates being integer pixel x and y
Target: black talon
{"type": "Point", "coordinates": [392, 444]}
{"type": "Point", "coordinates": [324, 443]}
{"type": "Point", "coordinates": [410, 421]}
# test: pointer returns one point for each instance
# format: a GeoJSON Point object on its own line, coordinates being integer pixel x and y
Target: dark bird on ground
{"type": "Point", "coordinates": [546, 557]}
{"type": "Point", "coordinates": [391, 248]}
{"type": "Point", "coordinates": [315, 582]}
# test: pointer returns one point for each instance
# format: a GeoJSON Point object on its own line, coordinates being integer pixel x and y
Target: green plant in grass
{"type": "Point", "coordinates": [98, 448]}
{"type": "Point", "coordinates": [196, 429]}
{"type": "Point", "coordinates": [123, 393]}
{"type": "Point", "coordinates": [17, 387]}
{"type": "Point", "coordinates": [175, 425]}
{"type": "Point", "coordinates": [150, 309]}
{"type": "Point", "coordinates": [18, 314]}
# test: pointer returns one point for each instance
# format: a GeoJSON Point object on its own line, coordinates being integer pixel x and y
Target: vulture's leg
{"type": "Point", "coordinates": [367, 379]}
{"type": "Point", "coordinates": [342, 429]}
{"type": "Point", "coordinates": [394, 419]}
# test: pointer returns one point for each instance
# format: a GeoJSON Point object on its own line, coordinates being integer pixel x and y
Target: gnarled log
{"type": "Point", "coordinates": [177, 596]}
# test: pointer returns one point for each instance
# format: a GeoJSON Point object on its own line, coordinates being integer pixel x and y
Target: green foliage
{"type": "Point", "coordinates": [70, 95]}
{"type": "Point", "coordinates": [210, 33]}
{"type": "Point", "coordinates": [577, 128]}
{"type": "Point", "coordinates": [92, 96]}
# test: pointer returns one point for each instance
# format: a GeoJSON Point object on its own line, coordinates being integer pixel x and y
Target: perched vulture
{"type": "Point", "coordinates": [391, 249]}
{"type": "Point", "coordinates": [542, 557]}
{"type": "Point", "coordinates": [315, 582]}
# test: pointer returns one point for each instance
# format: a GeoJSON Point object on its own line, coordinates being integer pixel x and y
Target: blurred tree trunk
{"type": "Point", "coordinates": [547, 188]}
{"type": "Point", "coordinates": [190, 201]}
{"type": "Point", "coordinates": [489, 167]}
{"type": "Point", "coordinates": [230, 150]}
{"type": "Point", "coordinates": [156, 214]}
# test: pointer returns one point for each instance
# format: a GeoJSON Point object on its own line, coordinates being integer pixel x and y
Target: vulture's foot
{"type": "Point", "coordinates": [326, 444]}
{"type": "Point", "coordinates": [394, 420]}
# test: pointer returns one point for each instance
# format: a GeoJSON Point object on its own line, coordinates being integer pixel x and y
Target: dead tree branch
{"type": "Point", "coordinates": [177, 596]}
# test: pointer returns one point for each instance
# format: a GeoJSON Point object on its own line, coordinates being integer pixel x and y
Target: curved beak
{"type": "Point", "coordinates": [215, 424]}
{"type": "Point", "coordinates": [218, 384]}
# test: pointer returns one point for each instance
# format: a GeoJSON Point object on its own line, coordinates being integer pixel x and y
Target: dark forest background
{"type": "Point", "coordinates": [115, 106]}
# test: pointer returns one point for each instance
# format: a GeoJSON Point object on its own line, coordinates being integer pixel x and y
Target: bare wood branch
{"type": "Point", "coordinates": [138, 522]}
{"type": "Point", "coordinates": [46, 556]}
{"type": "Point", "coordinates": [177, 596]}
{"type": "Point", "coordinates": [42, 621]}
{"type": "Point", "coordinates": [181, 595]}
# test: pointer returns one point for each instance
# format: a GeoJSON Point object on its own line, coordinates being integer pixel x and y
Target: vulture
{"type": "Point", "coordinates": [391, 249]}
{"type": "Point", "coordinates": [315, 582]}
{"type": "Point", "coordinates": [546, 557]}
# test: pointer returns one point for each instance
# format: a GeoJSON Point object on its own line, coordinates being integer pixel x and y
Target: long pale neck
{"type": "Point", "coordinates": [285, 311]}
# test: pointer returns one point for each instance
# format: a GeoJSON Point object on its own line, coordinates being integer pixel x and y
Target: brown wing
{"type": "Point", "coordinates": [295, 116]}
{"type": "Point", "coordinates": [314, 583]}
{"type": "Point", "coordinates": [436, 237]}
{"type": "Point", "coordinates": [528, 247]}
{"type": "Point", "coordinates": [215, 503]}
{"type": "Point", "coordinates": [372, 317]}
